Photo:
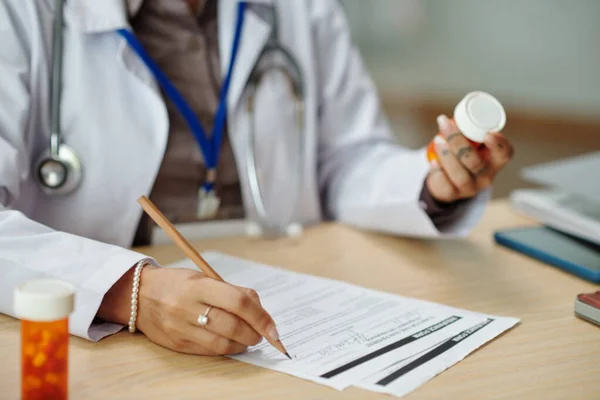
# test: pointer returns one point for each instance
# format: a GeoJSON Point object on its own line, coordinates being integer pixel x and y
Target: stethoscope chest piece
{"type": "Point", "coordinates": [59, 173]}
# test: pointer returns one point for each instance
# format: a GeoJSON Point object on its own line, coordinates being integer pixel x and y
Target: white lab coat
{"type": "Point", "coordinates": [114, 116]}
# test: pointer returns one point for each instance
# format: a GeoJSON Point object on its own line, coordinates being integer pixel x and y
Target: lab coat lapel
{"type": "Point", "coordinates": [255, 33]}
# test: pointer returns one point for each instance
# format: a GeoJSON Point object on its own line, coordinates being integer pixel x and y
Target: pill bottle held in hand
{"type": "Point", "coordinates": [475, 115]}
{"type": "Point", "coordinates": [44, 306]}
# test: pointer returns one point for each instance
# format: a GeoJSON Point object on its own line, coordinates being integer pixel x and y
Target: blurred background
{"type": "Point", "coordinates": [540, 58]}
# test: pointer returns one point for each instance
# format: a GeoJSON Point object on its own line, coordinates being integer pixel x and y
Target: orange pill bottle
{"type": "Point", "coordinates": [44, 306]}
{"type": "Point", "coordinates": [475, 115]}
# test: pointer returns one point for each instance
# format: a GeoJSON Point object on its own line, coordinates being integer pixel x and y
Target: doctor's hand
{"type": "Point", "coordinates": [170, 302]}
{"type": "Point", "coordinates": [462, 170]}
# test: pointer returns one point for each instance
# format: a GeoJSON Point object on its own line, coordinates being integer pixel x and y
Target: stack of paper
{"type": "Point", "coordinates": [342, 335]}
{"type": "Point", "coordinates": [563, 211]}
{"type": "Point", "coordinates": [570, 201]}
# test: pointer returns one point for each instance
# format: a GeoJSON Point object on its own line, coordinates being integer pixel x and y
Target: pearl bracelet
{"type": "Point", "coordinates": [135, 291]}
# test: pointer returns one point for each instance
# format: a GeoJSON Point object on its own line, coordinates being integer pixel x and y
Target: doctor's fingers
{"type": "Point", "coordinates": [223, 324]}
{"type": "Point", "coordinates": [500, 150]}
{"type": "Point", "coordinates": [466, 154]}
{"type": "Point", "coordinates": [185, 338]}
{"type": "Point", "coordinates": [440, 186]}
{"type": "Point", "coordinates": [461, 179]}
{"type": "Point", "coordinates": [239, 303]}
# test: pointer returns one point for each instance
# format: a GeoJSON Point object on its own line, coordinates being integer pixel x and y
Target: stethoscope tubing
{"type": "Point", "coordinates": [297, 86]}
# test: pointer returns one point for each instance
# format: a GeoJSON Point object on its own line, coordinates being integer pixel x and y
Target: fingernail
{"type": "Point", "coordinates": [435, 164]}
{"type": "Point", "coordinates": [440, 143]}
{"type": "Point", "coordinates": [443, 124]}
{"type": "Point", "coordinates": [491, 138]}
{"type": "Point", "coordinates": [272, 333]}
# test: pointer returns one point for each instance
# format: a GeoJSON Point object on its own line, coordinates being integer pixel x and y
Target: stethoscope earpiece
{"type": "Point", "coordinates": [294, 230]}
{"type": "Point", "coordinates": [253, 229]}
{"type": "Point", "coordinates": [256, 230]}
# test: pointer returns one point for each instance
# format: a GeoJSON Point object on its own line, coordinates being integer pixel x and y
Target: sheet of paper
{"type": "Point", "coordinates": [357, 369]}
{"type": "Point", "coordinates": [405, 376]}
{"type": "Point", "coordinates": [337, 333]}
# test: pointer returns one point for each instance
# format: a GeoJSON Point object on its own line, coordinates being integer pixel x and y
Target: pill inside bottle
{"type": "Point", "coordinates": [475, 115]}
{"type": "Point", "coordinates": [44, 306]}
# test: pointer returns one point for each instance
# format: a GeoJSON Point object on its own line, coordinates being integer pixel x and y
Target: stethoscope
{"type": "Point", "coordinates": [60, 171]}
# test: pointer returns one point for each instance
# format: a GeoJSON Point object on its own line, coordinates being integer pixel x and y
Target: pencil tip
{"type": "Point", "coordinates": [288, 355]}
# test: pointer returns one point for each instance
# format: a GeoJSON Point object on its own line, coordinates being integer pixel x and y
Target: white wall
{"type": "Point", "coordinates": [540, 55]}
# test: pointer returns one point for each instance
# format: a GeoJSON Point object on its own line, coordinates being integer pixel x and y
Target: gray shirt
{"type": "Point", "coordinates": [185, 46]}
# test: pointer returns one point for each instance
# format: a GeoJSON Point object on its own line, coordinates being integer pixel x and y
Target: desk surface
{"type": "Point", "coordinates": [550, 354]}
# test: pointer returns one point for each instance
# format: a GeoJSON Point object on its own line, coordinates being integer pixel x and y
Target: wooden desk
{"type": "Point", "coordinates": [551, 354]}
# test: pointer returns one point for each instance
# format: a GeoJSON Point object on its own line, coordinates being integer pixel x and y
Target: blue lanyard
{"type": "Point", "coordinates": [210, 146]}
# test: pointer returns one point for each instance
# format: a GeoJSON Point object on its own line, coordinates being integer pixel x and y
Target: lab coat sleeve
{"type": "Point", "coordinates": [366, 178]}
{"type": "Point", "coordinates": [29, 250]}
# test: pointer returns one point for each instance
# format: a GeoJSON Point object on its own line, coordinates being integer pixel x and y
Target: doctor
{"type": "Point", "coordinates": [131, 138]}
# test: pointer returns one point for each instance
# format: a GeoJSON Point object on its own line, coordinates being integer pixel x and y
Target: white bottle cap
{"type": "Point", "coordinates": [477, 114]}
{"type": "Point", "coordinates": [44, 300]}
